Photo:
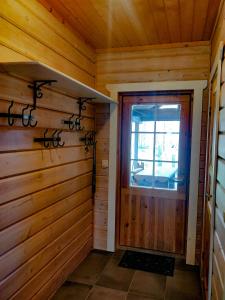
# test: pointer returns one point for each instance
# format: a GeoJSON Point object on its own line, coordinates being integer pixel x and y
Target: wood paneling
{"type": "Point", "coordinates": [46, 212]}
{"type": "Point", "coordinates": [217, 278]}
{"type": "Point", "coordinates": [106, 24]}
{"type": "Point", "coordinates": [101, 196]}
{"type": "Point", "coordinates": [153, 63]}
{"type": "Point", "coordinates": [30, 32]}
{"type": "Point", "coordinates": [219, 254]}
{"type": "Point", "coordinates": [219, 32]}
{"type": "Point", "coordinates": [48, 289]}
{"type": "Point", "coordinates": [144, 225]}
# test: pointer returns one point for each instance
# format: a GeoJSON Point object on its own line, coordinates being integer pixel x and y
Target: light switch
{"type": "Point", "coordinates": [105, 164]}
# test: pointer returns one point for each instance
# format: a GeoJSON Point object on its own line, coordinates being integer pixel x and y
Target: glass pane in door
{"type": "Point", "coordinates": [155, 132]}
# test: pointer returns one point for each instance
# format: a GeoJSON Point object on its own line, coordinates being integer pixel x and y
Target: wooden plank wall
{"type": "Point", "coordinates": [185, 61]}
{"type": "Point", "coordinates": [45, 195]}
{"type": "Point", "coordinates": [30, 32]}
{"type": "Point", "coordinates": [46, 207]}
{"type": "Point", "coordinates": [101, 196]}
{"type": "Point", "coordinates": [218, 276]}
{"type": "Point", "coordinates": [218, 33]}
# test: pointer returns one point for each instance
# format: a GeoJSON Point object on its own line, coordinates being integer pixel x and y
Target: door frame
{"type": "Point", "coordinates": [197, 87]}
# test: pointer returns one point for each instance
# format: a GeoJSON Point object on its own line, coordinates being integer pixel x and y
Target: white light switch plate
{"type": "Point", "coordinates": [105, 164]}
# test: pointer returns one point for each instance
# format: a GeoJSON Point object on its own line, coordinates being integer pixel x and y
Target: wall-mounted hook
{"type": "Point", "coordinates": [31, 118]}
{"type": "Point", "coordinates": [28, 118]}
{"type": "Point", "coordinates": [59, 139]}
{"type": "Point", "coordinates": [46, 140]}
{"type": "Point", "coordinates": [54, 139]}
{"type": "Point", "coordinates": [89, 140]}
{"type": "Point", "coordinates": [78, 124]}
{"type": "Point", "coordinates": [70, 122]}
{"type": "Point", "coordinates": [74, 124]}
{"type": "Point", "coordinates": [10, 115]}
{"type": "Point", "coordinates": [25, 119]}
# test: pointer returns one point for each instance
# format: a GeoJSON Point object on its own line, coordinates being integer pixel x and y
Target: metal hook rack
{"type": "Point", "coordinates": [54, 139]}
{"type": "Point", "coordinates": [89, 140]}
{"type": "Point", "coordinates": [26, 118]}
{"type": "Point", "coordinates": [76, 123]}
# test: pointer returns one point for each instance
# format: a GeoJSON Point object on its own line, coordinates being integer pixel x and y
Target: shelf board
{"type": "Point", "coordinates": [65, 84]}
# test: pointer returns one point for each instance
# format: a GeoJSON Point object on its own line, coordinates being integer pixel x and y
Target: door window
{"type": "Point", "coordinates": [154, 149]}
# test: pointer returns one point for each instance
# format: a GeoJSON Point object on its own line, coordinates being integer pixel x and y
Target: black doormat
{"type": "Point", "coordinates": [148, 262]}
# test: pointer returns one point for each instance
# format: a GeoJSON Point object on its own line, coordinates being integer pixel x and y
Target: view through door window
{"type": "Point", "coordinates": [155, 131]}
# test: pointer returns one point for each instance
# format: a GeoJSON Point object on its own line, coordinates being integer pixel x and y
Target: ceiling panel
{"type": "Point", "coordinates": [124, 23]}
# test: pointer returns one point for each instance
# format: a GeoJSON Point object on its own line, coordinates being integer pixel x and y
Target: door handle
{"type": "Point", "coordinates": [179, 179]}
{"type": "Point", "coordinates": [208, 196]}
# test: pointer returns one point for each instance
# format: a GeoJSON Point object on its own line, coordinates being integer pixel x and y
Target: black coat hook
{"type": "Point", "coordinates": [74, 124]}
{"type": "Point", "coordinates": [59, 139]}
{"type": "Point", "coordinates": [54, 139]}
{"type": "Point", "coordinates": [27, 119]}
{"type": "Point", "coordinates": [10, 115]}
{"type": "Point", "coordinates": [78, 124]}
{"type": "Point", "coordinates": [24, 117]}
{"type": "Point", "coordinates": [46, 140]}
{"type": "Point", "coordinates": [89, 140]}
{"type": "Point", "coordinates": [31, 118]}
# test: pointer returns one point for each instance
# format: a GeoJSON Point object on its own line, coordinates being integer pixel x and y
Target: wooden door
{"type": "Point", "coordinates": [154, 172]}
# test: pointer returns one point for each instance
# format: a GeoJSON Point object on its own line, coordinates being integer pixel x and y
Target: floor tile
{"type": "Point", "coordinates": [72, 291]}
{"type": "Point", "coordinates": [132, 296]}
{"type": "Point", "coordinates": [89, 271]}
{"type": "Point", "coordinates": [102, 293]}
{"type": "Point", "coordinates": [149, 285]}
{"type": "Point", "coordinates": [180, 264]}
{"type": "Point", "coordinates": [184, 285]}
{"type": "Point", "coordinates": [116, 277]}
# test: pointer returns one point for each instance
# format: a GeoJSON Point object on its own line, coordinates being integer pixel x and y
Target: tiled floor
{"type": "Point", "coordinates": [100, 278]}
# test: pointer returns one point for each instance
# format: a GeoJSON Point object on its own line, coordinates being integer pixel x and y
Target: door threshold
{"type": "Point", "coordinates": [151, 251]}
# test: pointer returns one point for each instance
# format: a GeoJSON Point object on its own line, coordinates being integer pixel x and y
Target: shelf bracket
{"type": "Point", "coordinates": [81, 102]}
{"type": "Point", "coordinates": [37, 92]}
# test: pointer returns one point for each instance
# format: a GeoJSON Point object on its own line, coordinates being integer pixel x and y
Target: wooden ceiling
{"type": "Point", "coordinates": [124, 23]}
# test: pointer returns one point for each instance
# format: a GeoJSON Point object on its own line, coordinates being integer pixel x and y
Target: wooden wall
{"type": "Point", "coordinates": [185, 61]}
{"type": "Point", "coordinates": [30, 32]}
{"type": "Point", "coordinates": [46, 214]}
{"type": "Point", "coordinates": [101, 196]}
{"type": "Point", "coordinates": [218, 273]}
{"type": "Point", "coordinates": [219, 32]}
{"type": "Point", "coordinates": [46, 207]}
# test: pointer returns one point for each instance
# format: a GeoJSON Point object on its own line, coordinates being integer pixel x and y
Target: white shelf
{"type": "Point", "coordinates": [37, 71]}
